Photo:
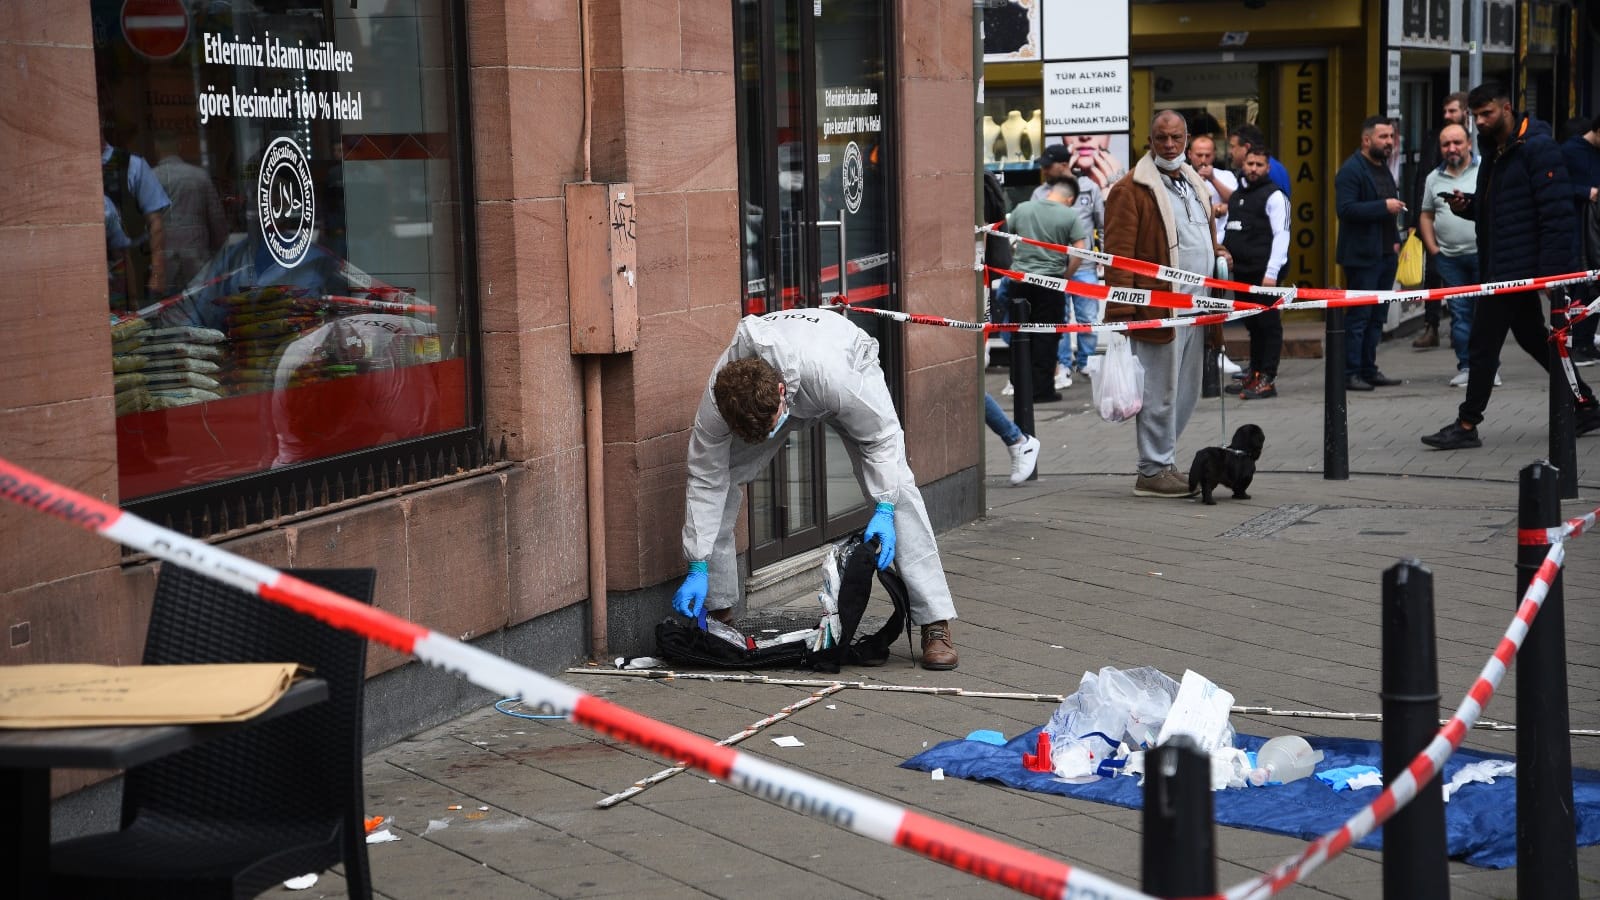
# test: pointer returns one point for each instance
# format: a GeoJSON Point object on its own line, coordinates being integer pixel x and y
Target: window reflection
{"type": "Point", "coordinates": [282, 243]}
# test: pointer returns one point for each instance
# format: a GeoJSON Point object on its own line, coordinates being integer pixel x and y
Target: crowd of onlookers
{"type": "Point", "coordinates": [1496, 198]}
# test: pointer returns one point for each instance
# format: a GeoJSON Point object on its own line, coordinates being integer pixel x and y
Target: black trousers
{"type": "Point", "coordinates": [1522, 315]}
{"type": "Point", "coordinates": [1265, 328]}
{"type": "Point", "coordinates": [1430, 308]}
{"type": "Point", "coordinates": [1046, 306]}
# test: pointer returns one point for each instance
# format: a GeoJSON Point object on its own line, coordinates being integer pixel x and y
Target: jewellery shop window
{"type": "Point", "coordinates": [283, 232]}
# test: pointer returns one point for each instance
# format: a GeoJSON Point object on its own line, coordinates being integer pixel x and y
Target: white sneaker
{"type": "Point", "coordinates": [1024, 458]}
{"type": "Point", "coordinates": [1008, 390]}
{"type": "Point", "coordinates": [1063, 378]}
{"type": "Point", "coordinates": [1461, 379]}
{"type": "Point", "coordinates": [1229, 366]}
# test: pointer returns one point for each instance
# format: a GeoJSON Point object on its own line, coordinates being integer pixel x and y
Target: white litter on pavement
{"type": "Point", "coordinates": [302, 882]}
{"type": "Point", "coordinates": [788, 740]}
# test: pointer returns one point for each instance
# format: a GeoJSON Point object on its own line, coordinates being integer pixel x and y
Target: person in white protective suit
{"type": "Point", "coordinates": [783, 372]}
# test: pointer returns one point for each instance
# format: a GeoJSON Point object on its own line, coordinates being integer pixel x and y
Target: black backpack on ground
{"type": "Point", "coordinates": [684, 643]}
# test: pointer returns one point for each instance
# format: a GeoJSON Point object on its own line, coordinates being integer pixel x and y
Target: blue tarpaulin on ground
{"type": "Point", "coordinates": [1480, 819]}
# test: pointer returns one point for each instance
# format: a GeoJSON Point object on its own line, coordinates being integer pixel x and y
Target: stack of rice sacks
{"type": "Point", "coordinates": [128, 364]}
{"type": "Point", "coordinates": [184, 365]}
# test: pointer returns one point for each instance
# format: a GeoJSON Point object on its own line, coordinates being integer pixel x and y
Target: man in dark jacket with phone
{"type": "Point", "coordinates": [1523, 215]}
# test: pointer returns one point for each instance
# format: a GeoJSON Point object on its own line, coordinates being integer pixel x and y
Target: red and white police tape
{"type": "Point", "coordinates": [1313, 298]}
{"type": "Point", "coordinates": [1143, 297]}
{"type": "Point", "coordinates": [1571, 528]}
{"type": "Point", "coordinates": [1427, 764]}
{"type": "Point", "coordinates": [1306, 298]}
{"type": "Point", "coordinates": [985, 857]}
{"type": "Point", "coordinates": [1038, 328]}
{"type": "Point", "coordinates": [389, 306]}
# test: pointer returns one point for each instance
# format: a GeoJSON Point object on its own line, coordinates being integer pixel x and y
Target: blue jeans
{"type": "Point", "coordinates": [1083, 310]}
{"type": "Point", "coordinates": [1363, 325]}
{"type": "Point", "coordinates": [1453, 272]}
{"type": "Point", "coordinates": [998, 422]}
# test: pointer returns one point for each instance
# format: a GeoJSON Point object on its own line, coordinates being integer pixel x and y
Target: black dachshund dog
{"type": "Point", "coordinates": [1232, 466]}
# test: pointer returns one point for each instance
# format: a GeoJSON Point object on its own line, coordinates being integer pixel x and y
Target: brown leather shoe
{"type": "Point", "coordinates": [1428, 338]}
{"type": "Point", "coordinates": [937, 651]}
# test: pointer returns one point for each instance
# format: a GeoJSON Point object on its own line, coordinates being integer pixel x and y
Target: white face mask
{"type": "Point", "coordinates": [1169, 165]}
{"type": "Point", "coordinates": [775, 428]}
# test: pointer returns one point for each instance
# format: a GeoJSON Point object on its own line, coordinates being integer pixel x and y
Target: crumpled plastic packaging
{"type": "Point", "coordinates": [1230, 768]}
{"type": "Point", "coordinates": [1086, 729]}
{"type": "Point", "coordinates": [1482, 772]}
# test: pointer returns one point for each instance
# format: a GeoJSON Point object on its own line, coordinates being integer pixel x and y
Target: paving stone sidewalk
{"type": "Point", "coordinates": [1275, 598]}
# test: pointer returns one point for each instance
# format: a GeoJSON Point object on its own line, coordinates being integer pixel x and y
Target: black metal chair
{"type": "Point", "coordinates": [237, 815]}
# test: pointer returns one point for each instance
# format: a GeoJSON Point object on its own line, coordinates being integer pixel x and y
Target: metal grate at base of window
{"type": "Point", "coordinates": [216, 515]}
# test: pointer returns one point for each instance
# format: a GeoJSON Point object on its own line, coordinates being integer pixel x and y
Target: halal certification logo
{"type": "Point", "coordinates": [855, 177]}
{"type": "Point", "coordinates": [285, 202]}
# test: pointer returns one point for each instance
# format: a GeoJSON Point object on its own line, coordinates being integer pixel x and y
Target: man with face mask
{"type": "Point", "coordinates": [1369, 247]}
{"type": "Point", "coordinates": [1161, 213]}
{"type": "Point", "coordinates": [783, 372]}
{"type": "Point", "coordinates": [1526, 227]}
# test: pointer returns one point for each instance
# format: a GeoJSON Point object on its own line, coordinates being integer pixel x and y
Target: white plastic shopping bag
{"type": "Point", "coordinates": [1108, 708]}
{"type": "Point", "coordinates": [1119, 387]}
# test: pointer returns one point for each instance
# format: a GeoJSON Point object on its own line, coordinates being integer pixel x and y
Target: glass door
{"type": "Point", "coordinates": [816, 187]}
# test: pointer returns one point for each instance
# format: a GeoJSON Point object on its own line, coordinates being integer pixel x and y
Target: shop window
{"type": "Point", "coordinates": [285, 239]}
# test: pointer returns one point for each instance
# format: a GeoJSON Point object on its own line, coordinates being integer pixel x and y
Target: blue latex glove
{"type": "Point", "coordinates": [690, 600]}
{"type": "Point", "coordinates": [882, 527]}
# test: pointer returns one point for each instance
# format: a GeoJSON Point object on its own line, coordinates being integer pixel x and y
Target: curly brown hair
{"type": "Point", "coordinates": [746, 391]}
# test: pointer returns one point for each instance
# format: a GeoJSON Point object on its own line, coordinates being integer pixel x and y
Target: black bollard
{"type": "Point", "coordinates": [1179, 853]}
{"type": "Point", "coordinates": [1022, 371]}
{"type": "Point", "coordinates": [1563, 425]}
{"type": "Point", "coordinates": [1415, 866]}
{"type": "Point", "coordinates": [1335, 434]}
{"type": "Point", "coordinates": [1547, 854]}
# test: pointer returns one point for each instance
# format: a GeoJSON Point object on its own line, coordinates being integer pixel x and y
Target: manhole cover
{"type": "Point", "coordinates": [1271, 521]}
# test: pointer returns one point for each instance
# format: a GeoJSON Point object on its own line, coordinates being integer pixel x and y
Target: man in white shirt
{"type": "Point", "coordinates": [1258, 239]}
{"type": "Point", "coordinates": [1202, 158]}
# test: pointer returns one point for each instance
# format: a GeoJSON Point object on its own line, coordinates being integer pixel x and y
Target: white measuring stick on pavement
{"type": "Point", "coordinates": [644, 784]}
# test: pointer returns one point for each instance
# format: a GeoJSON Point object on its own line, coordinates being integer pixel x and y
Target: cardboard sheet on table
{"type": "Point", "coordinates": [84, 695]}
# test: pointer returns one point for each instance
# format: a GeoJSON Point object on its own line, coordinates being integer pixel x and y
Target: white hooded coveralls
{"type": "Point", "coordinates": [830, 374]}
